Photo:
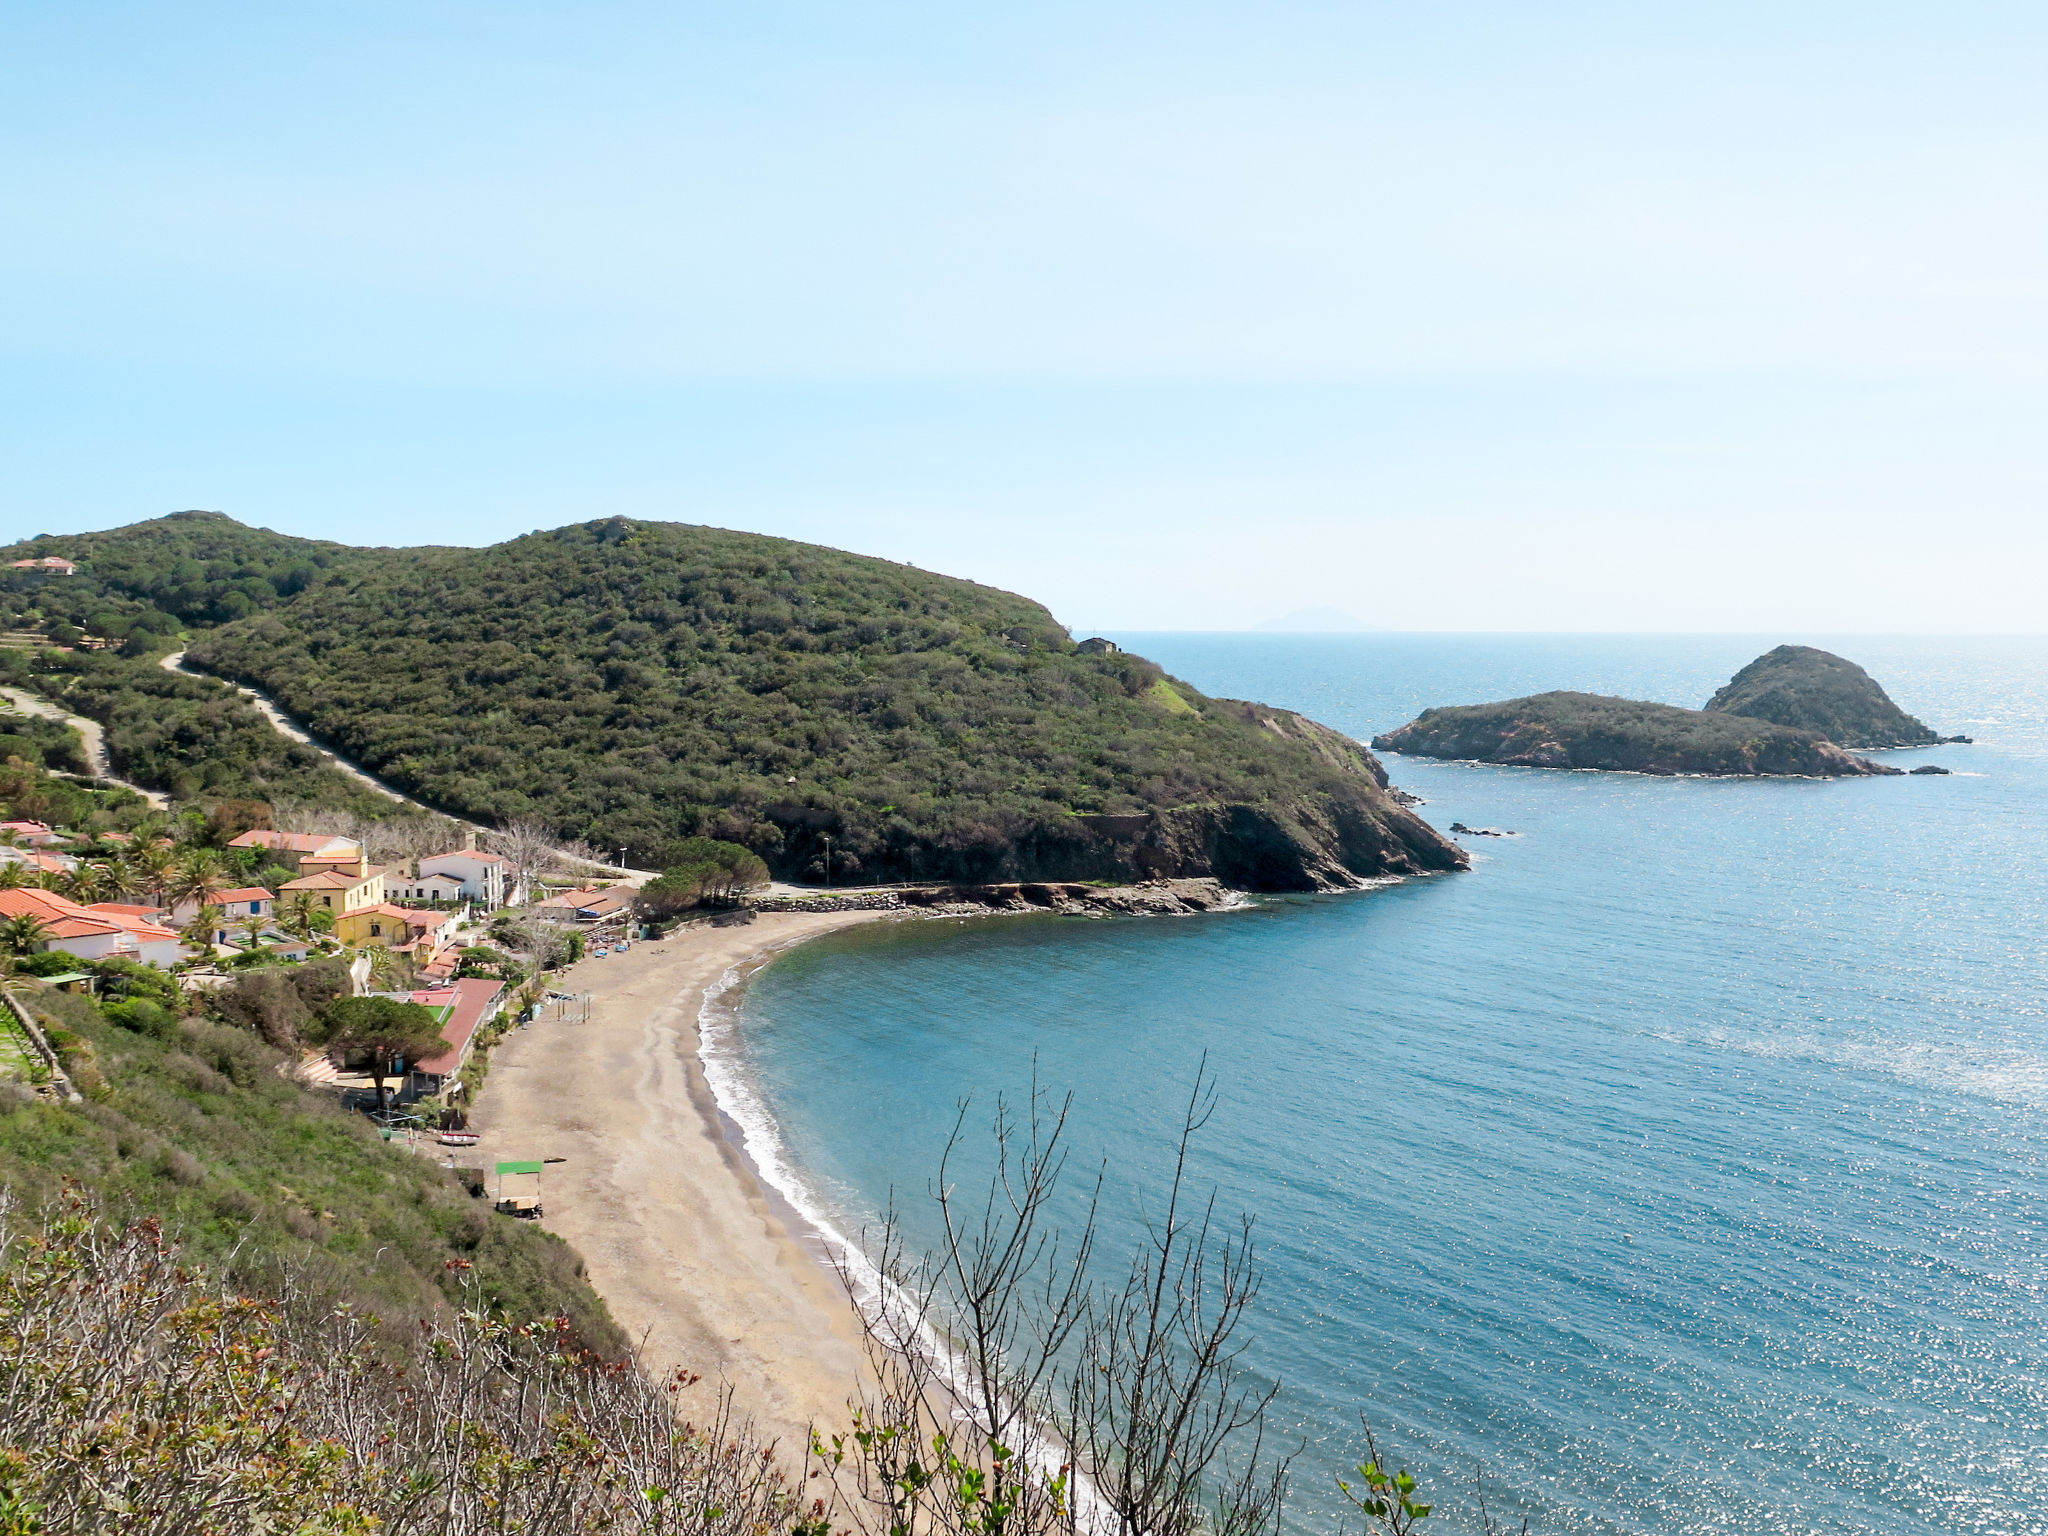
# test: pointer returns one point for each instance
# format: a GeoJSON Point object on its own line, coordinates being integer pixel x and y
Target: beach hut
{"type": "Point", "coordinates": [519, 1188]}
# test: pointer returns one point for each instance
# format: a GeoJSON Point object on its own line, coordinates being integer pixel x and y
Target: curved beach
{"type": "Point", "coordinates": [697, 1259]}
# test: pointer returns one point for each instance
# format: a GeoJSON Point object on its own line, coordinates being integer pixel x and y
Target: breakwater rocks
{"type": "Point", "coordinates": [1155, 898]}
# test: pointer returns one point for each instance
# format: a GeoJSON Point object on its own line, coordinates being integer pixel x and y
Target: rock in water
{"type": "Point", "coordinates": [1813, 690]}
{"type": "Point", "coordinates": [1923, 768]}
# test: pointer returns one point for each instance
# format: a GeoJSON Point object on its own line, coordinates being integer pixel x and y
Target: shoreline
{"type": "Point", "coordinates": [677, 1193]}
{"type": "Point", "coordinates": [703, 1262]}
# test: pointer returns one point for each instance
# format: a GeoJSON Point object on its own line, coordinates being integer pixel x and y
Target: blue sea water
{"type": "Point", "coordinates": [1683, 1166]}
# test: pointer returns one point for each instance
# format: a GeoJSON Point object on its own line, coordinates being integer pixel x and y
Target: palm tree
{"type": "Point", "coordinates": [13, 876]}
{"type": "Point", "coordinates": [299, 914]}
{"type": "Point", "coordinates": [149, 869]}
{"type": "Point", "coordinates": [197, 876]}
{"type": "Point", "coordinates": [23, 935]}
{"type": "Point", "coordinates": [252, 928]}
{"type": "Point", "coordinates": [86, 884]}
{"type": "Point", "coordinates": [200, 931]}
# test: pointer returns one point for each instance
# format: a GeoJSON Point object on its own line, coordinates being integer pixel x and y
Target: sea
{"type": "Point", "coordinates": [1681, 1168]}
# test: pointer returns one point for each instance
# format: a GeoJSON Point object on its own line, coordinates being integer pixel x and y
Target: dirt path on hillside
{"type": "Point", "coordinates": [96, 757]}
{"type": "Point", "coordinates": [287, 726]}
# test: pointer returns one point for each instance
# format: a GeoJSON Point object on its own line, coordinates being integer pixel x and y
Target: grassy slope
{"type": "Point", "coordinates": [259, 1176]}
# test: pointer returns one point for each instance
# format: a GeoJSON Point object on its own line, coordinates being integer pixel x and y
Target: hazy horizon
{"type": "Point", "coordinates": [1599, 320]}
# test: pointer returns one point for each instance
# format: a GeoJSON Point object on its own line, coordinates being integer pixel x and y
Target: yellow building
{"type": "Point", "coordinates": [338, 891]}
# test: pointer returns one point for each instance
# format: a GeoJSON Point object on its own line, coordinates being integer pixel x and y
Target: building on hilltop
{"type": "Point", "coordinates": [52, 565]}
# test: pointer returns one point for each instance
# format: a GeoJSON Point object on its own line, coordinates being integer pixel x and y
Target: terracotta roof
{"type": "Point", "coordinates": [244, 893]}
{"type": "Point", "coordinates": [466, 853]}
{"type": "Point", "coordinates": [328, 880]}
{"type": "Point", "coordinates": [28, 901]}
{"type": "Point", "coordinates": [295, 842]}
{"type": "Point", "coordinates": [474, 999]}
{"type": "Point", "coordinates": [126, 909]}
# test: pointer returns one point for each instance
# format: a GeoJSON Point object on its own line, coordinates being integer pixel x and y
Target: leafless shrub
{"type": "Point", "coordinates": [135, 1396]}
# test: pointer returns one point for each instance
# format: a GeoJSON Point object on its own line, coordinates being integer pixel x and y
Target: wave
{"type": "Point", "coordinates": [721, 1052]}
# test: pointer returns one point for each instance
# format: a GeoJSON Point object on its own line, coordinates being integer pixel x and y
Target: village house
{"type": "Point", "coordinates": [54, 565]}
{"type": "Point", "coordinates": [338, 892]}
{"type": "Point", "coordinates": [32, 834]}
{"type": "Point", "coordinates": [482, 875]}
{"type": "Point", "coordinates": [472, 1002]}
{"type": "Point", "coordinates": [431, 887]}
{"type": "Point", "coordinates": [41, 863]}
{"type": "Point", "coordinates": [106, 930]}
{"type": "Point", "coordinates": [591, 905]}
{"type": "Point", "coordinates": [306, 853]}
{"type": "Point", "coordinates": [233, 906]}
{"type": "Point", "coordinates": [411, 931]}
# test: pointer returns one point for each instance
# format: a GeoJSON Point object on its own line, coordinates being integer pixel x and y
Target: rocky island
{"type": "Point", "coordinates": [1591, 730]}
{"type": "Point", "coordinates": [1815, 690]}
{"type": "Point", "coordinates": [1792, 712]}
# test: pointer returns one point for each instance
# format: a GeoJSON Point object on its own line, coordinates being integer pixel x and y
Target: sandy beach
{"type": "Point", "coordinates": [682, 1240]}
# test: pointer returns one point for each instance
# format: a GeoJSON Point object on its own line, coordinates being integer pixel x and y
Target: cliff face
{"type": "Point", "coordinates": [1813, 690]}
{"type": "Point", "coordinates": [1585, 730]}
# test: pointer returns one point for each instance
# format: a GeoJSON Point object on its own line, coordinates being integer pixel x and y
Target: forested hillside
{"type": "Point", "coordinates": [639, 683]}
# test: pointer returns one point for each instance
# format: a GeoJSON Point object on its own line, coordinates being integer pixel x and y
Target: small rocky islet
{"type": "Point", "coordinates": [1793, 712]}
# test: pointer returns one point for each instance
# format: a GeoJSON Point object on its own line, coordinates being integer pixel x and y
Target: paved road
{"type": "Point", "coordinates": [95, 740]}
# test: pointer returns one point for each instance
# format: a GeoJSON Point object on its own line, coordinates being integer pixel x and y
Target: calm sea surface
{"type": "Point", "coordinates": [1684, 1166]}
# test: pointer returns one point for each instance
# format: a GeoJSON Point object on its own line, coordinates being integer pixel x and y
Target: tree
{"type": "Point", "coordinates": [87, 884]}
{"type": "Point", "coordinates": [148, 867]}
{"type": "Point", "coordinates": [389, 1032]}
{"type": "Point", "coordinates": [701, 872]}
{"type": "Point", "coordinates": [13, 876]}
{"type": "Point", "coordinates": [527, 845]}
{"type": "Point", "coordinates": [23, 935]}
{"type": "Point", "coordinates": [301, 914]}
{"type": "Point", "coordinates": [252, 928]}
{"type": "Point", "coordinates": [199, 875]}
{"type": "Point", "coordinates": [200, 931]}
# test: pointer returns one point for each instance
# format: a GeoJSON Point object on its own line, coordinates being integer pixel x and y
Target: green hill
{"type": "Point", "coordinates": [1813, 690]}
{"type": "Point", "coordinates": [638, 683]}
{"type": "Point", "coordinates": [1590, 730]}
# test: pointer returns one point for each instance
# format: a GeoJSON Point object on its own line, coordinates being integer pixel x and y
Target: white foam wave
{"type": "Point", "coordinates": [722, 1055]}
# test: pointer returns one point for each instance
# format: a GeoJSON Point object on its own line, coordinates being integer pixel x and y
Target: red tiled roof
{"type": "Point", "coordinates": [474, 999]}
{"type": "Point", "coordinates": [294, 842]}
{"type": "Point", "coordinates": [246, 893]}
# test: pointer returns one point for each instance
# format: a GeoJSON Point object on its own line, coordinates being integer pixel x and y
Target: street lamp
{"type": "Point", "coordinates": [828, 861]}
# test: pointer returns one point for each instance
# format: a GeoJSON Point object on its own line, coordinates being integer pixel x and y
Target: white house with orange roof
{"type": "Point", "coordinates": [104, 931]}
{"type": "Point", "coordinates": [483, 875]}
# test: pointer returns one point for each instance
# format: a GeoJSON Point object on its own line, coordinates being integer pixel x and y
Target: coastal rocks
{"type": "Point", "coordinates": [1459, 829]}
{"type": "Point", "coordinates": [1156, 898]}
{"type": "Point", "coordinates": [1594, 731]}
{"type": "Point", "coordinates": [1818, 691]}
{"type": "Point", "coordinates": [1928, 768]}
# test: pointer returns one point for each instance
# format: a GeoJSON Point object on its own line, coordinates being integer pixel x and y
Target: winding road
{"type": "Point", "coordinates": [287, 726]}
{"type": "Point", "coordinates": [95, 741]}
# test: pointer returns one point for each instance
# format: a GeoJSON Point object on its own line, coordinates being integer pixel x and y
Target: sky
{"type": "Point", "coordinates": [1180, 316]}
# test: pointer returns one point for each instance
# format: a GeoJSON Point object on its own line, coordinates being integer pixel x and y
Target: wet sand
{"type": "Point", "coordinates": [688, 1248]}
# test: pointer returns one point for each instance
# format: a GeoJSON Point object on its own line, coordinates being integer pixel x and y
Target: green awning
{"type": "Point", "coordinates": [533, 1167]}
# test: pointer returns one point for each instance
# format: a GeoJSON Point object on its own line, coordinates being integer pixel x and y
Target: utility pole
{"type": "Point", "coordinates": [828, 861]}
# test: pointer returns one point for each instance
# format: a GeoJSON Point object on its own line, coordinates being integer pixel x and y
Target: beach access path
{"type": "Point", "coordinates": [688, 1249]}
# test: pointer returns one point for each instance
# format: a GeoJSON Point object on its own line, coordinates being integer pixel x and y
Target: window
{"type": "Point", "coordinates": [376, 930]}
{"type": "Point", "coordinates": [326, 901]}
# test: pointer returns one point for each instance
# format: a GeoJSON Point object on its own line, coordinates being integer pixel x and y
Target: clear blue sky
{"type": "Point", "coordinates": [1459, 316]}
